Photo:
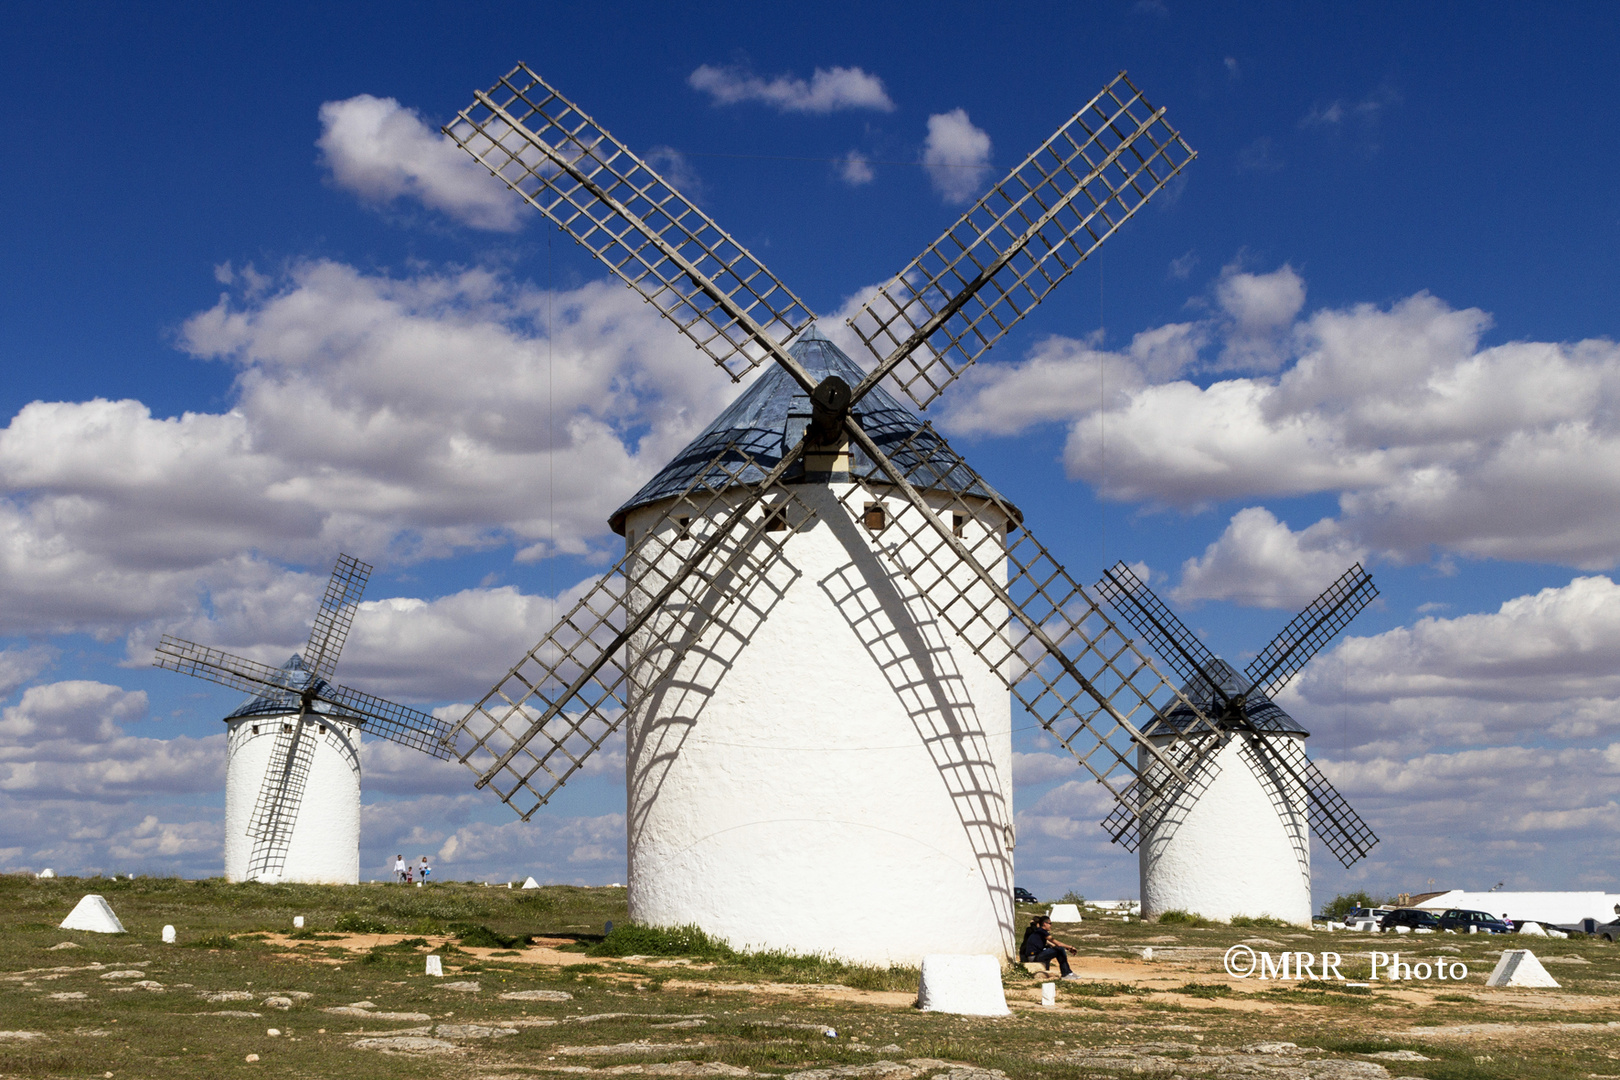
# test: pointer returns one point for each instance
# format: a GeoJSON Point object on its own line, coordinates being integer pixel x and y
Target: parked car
{"type": "Point", "coordinates": [1460, 919]}
{"type": "Point", "coordinates": [1411, 917]}
{"type": "Point", "coordinates": [1608, 931]}
{"type": "Point", "coordinates": [1024, 896]}
{"type": "Point", "coordinates": [1376, 914]}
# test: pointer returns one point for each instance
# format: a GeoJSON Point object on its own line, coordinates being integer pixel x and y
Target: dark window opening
{"type": "Point", "coordinates": [958, 524]}
{"type": "Point", "coordinates": [685, 532]}
{"type": "Point", "coordinates": [286, 729]}
{"type": "Point", "coordinates": [255, 729]}
{"type": "Point", "coordinates": [776, 520]}
{"type": "Point", "coordinates": [876, 517]}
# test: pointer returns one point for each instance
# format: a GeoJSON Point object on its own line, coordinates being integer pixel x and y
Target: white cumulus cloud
{"type": "Point", "coordinates": [957, 156]}
{"type": "Point", "coordinates": [1259, 562]}
{"type": "Point", "coordinates": [382, 151]}
{"type": "Point", "coordinates": [828, 89]}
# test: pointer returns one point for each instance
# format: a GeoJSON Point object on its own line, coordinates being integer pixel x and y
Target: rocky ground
{"type": "Point", "coordinates": [348, 996]}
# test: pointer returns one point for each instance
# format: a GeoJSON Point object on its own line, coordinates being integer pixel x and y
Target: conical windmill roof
{"type": "Point", "coordinates": [1266, 714]}
{"type": "Point", "coordinates": [282, 702]}
{"type": "Point", "coordinates": [757, 422]}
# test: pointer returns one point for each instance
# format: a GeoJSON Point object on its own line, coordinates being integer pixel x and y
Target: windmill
{"type": "Point", "coordinates": [1235, 839]}
{"type": "Point", "coordinates": [811, 638]}
{"type": "Point", "coordinates": [292, 775]}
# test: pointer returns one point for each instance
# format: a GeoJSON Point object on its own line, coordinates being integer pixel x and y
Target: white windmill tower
{"type": "Point", "coordinates": [292, 772]}
{"type": "Point", "coordinates": [1236, 839]}
{"type": "Point", "coordinates": [821, 610]}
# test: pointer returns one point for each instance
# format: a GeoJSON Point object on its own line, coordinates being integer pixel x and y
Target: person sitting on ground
{"type": "Point", "coordinates": [1040, 947]}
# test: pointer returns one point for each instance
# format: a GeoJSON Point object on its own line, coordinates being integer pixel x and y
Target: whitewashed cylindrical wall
{"type": "Point", "coordinates": [1240, 847]}
{"type": "Point", "coordinates": [325, 842]}
{"type": "Point", "coordinates": [831, 771]}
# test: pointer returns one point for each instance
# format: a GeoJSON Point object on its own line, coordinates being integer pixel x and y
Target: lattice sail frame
{"type": "Point", "coordinates": [1330, 815]}
{"type": "Point", "coordinates": [508, 739]}
{"type": "Point", "coordinates": [1310, 630]}
{"type": "Point", "coordinates": [567, 166]}
{"type": "Point", "coordinates": [1021, 239]}
{"type": "Point", "coordinates": [1100, 724]}
{"type": "Point", "coordinates": [336, 614]}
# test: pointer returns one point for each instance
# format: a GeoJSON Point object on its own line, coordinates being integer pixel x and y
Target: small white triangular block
{"type": "Point", "coordinates": [47, 872]}
{"type": "Point", "coordinates": [94, 915]}
{"type": "Point", "coordinates": [1064, 913]}
{"type": "Point", "coordinates": [168, 935]}
{"type": "Point", "coordinates": [530, 883]}
{"type": "Point", "coordinates": [1519, 967]}
{"type": "Point", "coordinates": [435, 966]}
{"type": "Point", "coordinates": [961, 985]}
{"type": "Point", "coordinates": [1533, 929]}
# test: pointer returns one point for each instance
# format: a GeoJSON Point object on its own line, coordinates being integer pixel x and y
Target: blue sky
{"type": "Point", "coordinates": [252, 314]}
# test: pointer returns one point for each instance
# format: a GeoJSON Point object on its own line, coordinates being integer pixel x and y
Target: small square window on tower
{"type": "Point", "coordinates": [776, 520]}
{"type": "Point", "coordinates": [684, 532]}
{"type": "Point", "coordinates": [286, 729]}
{"type": "Point", "coordinates": [958, 524]}
{"type": "Point", "coordinates": [876, 517]}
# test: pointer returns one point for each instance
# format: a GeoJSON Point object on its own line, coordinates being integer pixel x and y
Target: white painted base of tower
{"type": "Point", "coordinates": [325, 843]}
{"type": "Point", "coordinates": [834, 775]}
{"type": "Point", "coordinates": [1230, 850]}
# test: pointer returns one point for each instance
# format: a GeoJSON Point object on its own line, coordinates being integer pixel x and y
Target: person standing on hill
{"type": "Point", "coordinates": [1040, 947]}
{"type": "Point", "coordinates": [399, 868]}
{"type": "Point", "coordinates": [423, 870]}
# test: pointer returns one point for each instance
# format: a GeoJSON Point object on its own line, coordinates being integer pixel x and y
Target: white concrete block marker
{"type": "Point", "coordinates": [530, 883]}
{"type": "Point", "coordinates": [1519, 967]}
{"type": "Point", "coordinates": [961, 985]}
{"type": "Point", "coordinates": [1049, 994]}
{"type": "Point", "coordinates": [1065, 913]}
{"type": "Point", "coordinates": [298, 922]}
{"type": "Point", "coordinates": [435, 966]}
{"type": "Point", "coordinates": [1532, 929]}
{"type": "Point", "coordinates": [94, 915]}
{"type": "Point", "coordinates": [168, 935]}
{"type": "Point", "coordinates": [47, 873]}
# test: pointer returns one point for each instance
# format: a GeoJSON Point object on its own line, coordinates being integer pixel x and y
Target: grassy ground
{"type": "Point", "coordinates": [658, 1004]}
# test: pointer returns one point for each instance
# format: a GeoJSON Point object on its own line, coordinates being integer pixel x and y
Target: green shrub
{"type": "Point", "coordinates": [1341, 905]}
{"type": "Point", "coordinates": [630, 939]}
{"type": "Point", "coordinates": [352, 923]}
{"type": "Point", "coordinates": [1072, 897]}
{"type": "Point", "coordinates": [1204, 990]}
{"type": "Point", "coordinates": [213, 941]}
{"type": "Point", "coordinates": [1178, 917]}
{"type": "Point", "coordinates": [1263, 921]}
{"type": "Point", "coordinates": [482, 937]}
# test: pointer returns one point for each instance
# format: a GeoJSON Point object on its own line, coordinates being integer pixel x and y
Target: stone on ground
{"type": "Point", "coordinates": [1069, 913]}
{"type": "Point", "coordinates": [406, 1044]}
{"type": "Point", "coordinates": [93, 915]}
{"type": "Point", "coordinates": [467, 987]}
{"type": "Point", "coordinates": [63, 945]}
{"type": "Point", "coordinates": [530, 883]}
{"type": "Point", "coordinates": [1519, 967]}
{"type": "Point", "coordinates": [961, 985]}
{"type": "Point", "coordinates": [1533, 929]}
{"type": "Point", "coordinates": [537, 995]}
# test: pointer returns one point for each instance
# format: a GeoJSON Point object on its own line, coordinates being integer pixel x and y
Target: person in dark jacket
{"type": "Point", "coordinates": [1040, 947]}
